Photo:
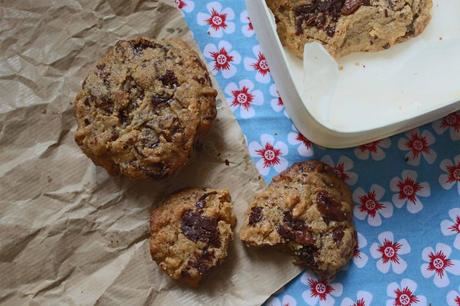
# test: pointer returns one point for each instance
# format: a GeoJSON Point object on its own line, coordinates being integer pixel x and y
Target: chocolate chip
{"type": "Point", "coordinates": [386, 13]}
{"type": "Point", "coordinates": [337, 235]}
{"type": "Point", "coordinates": [330, 31]}
{"type": "Point", "coordinates": [306, 255]}
{"type": "Point", "coordinates": [386, 46]}
{"type": "Point", "coordinates": [156, 170]}
{"type": "Point", "coordinates": [304, 237]}
{"type": "Point", "coordinates": [200, 204]}
{"type": "Point", "coordinates": [86, 121]}
{"type": "Point", "coordinates": [197, 227]}
{"type": "Point", "coordinates": [255, 216]}
{"type": "Point", "coordinates": [156, 100]}
{"type": "Point", "coordinates": [114, 135]}
{"type": "Point", "coordinates": [169, 79]}
{"type": "Point", "coordinates": [106, 104]}
{"type": "Point", "coordinates": [285, 232]}
{"type": "Point", "coordinates": [295, 224]}
{"type": "Point", "coordinates": [329, 207]}
{"type": "Point", "coordinates": [351, 6]}
{"type": "Point", "coordinates": [140, 46]}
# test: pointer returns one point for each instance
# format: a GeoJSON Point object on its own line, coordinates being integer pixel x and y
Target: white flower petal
{"type": "Point", "coordinates": [214, 5]}
{"type": "Point", "coordinates": [445, 227]}
{"type": "Point", "coordinates": [430, 156]}
{"type": "Point", "coordinates": [457, 159]}
{"type": "Point", "coordinates": [361, 215]}
{"type": "Point", "coordinates": [309, 299]}
{"type": "Point", "coordinates": [445, 164]}
{"type": "Point", "coordinates": [385, 143]}
{"type": "Point", "coordinates": [283, 164]}
{"type": "Point", "coordinates": [362, 242]}
{"type": "Point", "coordinates": [394, 184]}
{"type": "Point", "coordinates": [379, 154]}
{"type": "Point", "coordinates": [426, 253]}
{"type": "Point", "coordinates": [397, 201]}
{"type": "Point", "coordinates": [360, 261]}
{"type": "Point", "coordinates": [425, 191]}
{"type": "Point", "coordinates": [447, 250]}
{"type": "Point", "coordinates": [282, 147]}
{"type": "Point", "coordinates": [328, 160]}
{"type": "Point", "coordinates": [425, 272]}
{"type": "Point", "coordinates": [385, 236]}
{"type": "Point", "coordinates": [402, 144]}
{"type": "Point", "coordinates": [292, 138]}
{"type": "Point", "coordinates": [391, 288]}
{"type": "Point", "coordinates": [267, 138]}
{"type": "Point", "coordinates": [289, 301]}
{"type": "Point", "coordinates": [258, 97]}
{"type": "Point", "coordinates": [366, 296]}
{"type": "Point", "coordinates": [236, 57]}
{"type": "Point", "coordinates": [264, 79]}
{"type": "Point", "coordinates": [347, 302]}
{"type": "Point", "coordinates": [215, 33]}
{"type": "Point", "coordinates": [329, 301]}
{"type": "Point", "coordinates": [438, 127]}
{"type": "Point", "coordinates": [246, 83]}
{"type": "Point", "coordinates": [223, 44]}
{"type": "Point", "coordinates": [276, 107]}
{"type": "Point", "coordinates": [441, 282]}
{"type": "Point", "coordinates": [208, 49]}
{"type": "Point", "coordinates": [455, 268]}
{"type": "Point", "coordinates": [361, 154]}
{"type": "Point", "coordinates": [305, 151]}
{"type": "Point", "coordinates": [390, 302]}
{"type": "Point", "coordinates": [405, 247]}
{"type": "Point", "coordinates": [414, 207]}
{"type": "Point", "coordinates": [229, 12]}
{"type": "Point", "coordinates": [451, 296]}
{"type": "Point", "coordinates": [405, 282]}
{"type": "Point", "coordinates": [253, 147]}
{"type": "Point", "coordinates": [274, 301]}
{"type": "Point", "coordinates": [346, 161]}
{"type": "Point", "coordinates": [454, 134]}
{"type": "Point", "coordinates": [428, 137]}
{"type": "Point", "coordinates": [457, 242]}
{"type": "Point", "coordinates": [244, 16]}
{"type": "Point", "coordinates": [202, 18]}
{"type": "Point", "coordinates": [230, 88]}
{"type": "Point", "coordinates": [413, 160]}
{"type": "Point", "coordinates": [247, 113]}
{"type": "Point", "coordinates": [230, 28]}
{"type": "Point", "coordinates": [374, 249]}
{"type": "Point", "coordinates": [444, 182]}
{"type": "Point", "coordinates": [338, 289]}
{"type": "Point", "coordinates": [454, 213]}
{"type": "Point", "coordinates": [400, 267]}
{"type": "Point", "coordinates": [421, 300]}
{"type": "Point", "coordinates": [248, 63]}
{"type": "Point", "coordinates": [379, 191]}
{"type": "Point", "coordinates": [262, 169]}
{"type": "Point", "coordinates": [352, 178]}
{"type": "Point", "coordinates": [357, 194]}
{"type": "Point", "coordinates": [230, 72]}
{"type": "Point", "coordinates": [410, 173]}
{"type": "Point", "coordinates": [383, 267]}
{"type": "Point", "coordinates": [387, 210]}
{"type": "Point", "coordinates": [374, 221]}
{"type": "Point", "coordinates": [304, 279]}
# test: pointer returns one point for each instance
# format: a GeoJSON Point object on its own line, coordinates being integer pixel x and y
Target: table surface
{"type": "Point", "coordinates": [406, 188]}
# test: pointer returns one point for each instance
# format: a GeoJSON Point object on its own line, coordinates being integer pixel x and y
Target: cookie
{"type": "Point", "coordinates": [190, 233]}
{"type": "Point", "coordinates": [306, 211]}
{"type": "Point", "coordinates": [346, 26]}
{"type": "Point", "coordinates": [143, 107]}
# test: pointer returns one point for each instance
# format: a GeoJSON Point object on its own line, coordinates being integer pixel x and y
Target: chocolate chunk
{"type": "Point", "coordinates": [304, 237]}
{"type": "Point", "coordinates": [156, 100]}
{"type": "Point", "coordinates": [197, 227]}
{"type": "Point", "coordinates": [148, 138]}
{"type": "Point", "coordinates": [156, 170]}
{"type": "Point", "coordinates": [140, 46]}
{"type": "Point", "coordinates": [386, 46]}
{"type": "Point", "coordinates": [337, 235]}
{"type": "Point", "coordinates": [200, 204]}
{"type": "Point", "coordinates": [86, 121]}
{"type": "Point", "coordinates": [114, 135]}
{"type": "Point", "coordinates": [351, 6]}
{"type": "Point", "coordinates": [255, 216]}
{"type": "Point", "coordinates": [285, 232]}
{"type": "Point", "coordinates": [330, 208]}
{"type": "Point", "coordinates": [306, 255]}
{"type": "Point", "coordinates": [106, 104]}
{"type": "Point", "coordinates": [295, 224]}
{"type": "Point", "coordinates": [169, 79]}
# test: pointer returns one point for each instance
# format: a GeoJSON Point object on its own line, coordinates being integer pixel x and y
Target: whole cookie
{"type": "Point", "coordinates": [306, 210]}
{"type": "Point", "coordinates": [190, 233]}
{"type": "Point", "coordinates": [345, 26]}
{"type": "Point", "coordinates": [143, 107]}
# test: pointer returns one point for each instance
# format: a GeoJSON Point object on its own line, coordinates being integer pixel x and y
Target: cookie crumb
{"type": "Point", "coordinates": [440, 37]}
{"type": "Point", "coordinates": [227, 163]}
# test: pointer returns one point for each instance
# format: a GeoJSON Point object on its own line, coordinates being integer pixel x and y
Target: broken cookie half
{"type": "Point", "coordinates": [306, 211]}
{"type": "Point", "coordinates": [190, 233]}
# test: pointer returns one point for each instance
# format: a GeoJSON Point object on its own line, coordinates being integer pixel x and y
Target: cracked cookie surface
{"type": "Point", "coordinates": [143, 106]}
{"type": "Point", "coordinates": [190, 233]}
{"type": "Point", "coordinates": [346, 26]}
{"type": "Point", "coordinates": [307, 211]}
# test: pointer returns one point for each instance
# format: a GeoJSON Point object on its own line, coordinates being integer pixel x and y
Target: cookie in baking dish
{"type": "Point", "coordinates": [306, 211]}
{"type": "Point", "coordinates": [143, 107]}
{"type": "Point", "coordinates": [346, 26]}
{"type": "Point", "coordinates": [190, 233]}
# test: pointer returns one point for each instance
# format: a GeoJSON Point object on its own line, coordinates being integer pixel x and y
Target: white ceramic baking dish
{"type": "Point", "coordinates": [367, 96]}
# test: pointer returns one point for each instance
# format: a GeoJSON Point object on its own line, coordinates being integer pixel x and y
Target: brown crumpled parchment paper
{"type": "Point", "coordinates": [69, 233]}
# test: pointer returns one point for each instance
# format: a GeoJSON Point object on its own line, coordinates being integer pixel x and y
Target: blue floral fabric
{"type": "Point", "coordinates": [406, 188]}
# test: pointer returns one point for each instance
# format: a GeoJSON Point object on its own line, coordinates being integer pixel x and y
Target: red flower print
{"type": "Point", "coordinates": [438, 263]}
{"type": "Point", "coordinates": [180, 4]}
{"type": "Point", "coordinates": [222, 59]}
{"type": "Point", "coordinates": [304, 140]}
{"type": "Point", "coordinates": [456, 226]}
{"type": "Point", "coordinates": [242, 97]}
{"type": "Point", "coordinates": [371, 147]}
{"type": "Point", "coordinates": [454, 173]}
{"type": "Point", "coordinates": [339, 170]}
{"type": "Point", "coordinates": [250, 25]}
{"type": "Point", "coordinates": [457, 300]}
{"type": "Point", "coordinates": [408, 189]}
{"type": "Point", "coordinates": [360, 302]}
{"type": "Point", "coordinates": [417, 144]}
{"type": "Point", "coordinates": [451, 121]}
{"type": "Point", "coordinates": [356, 252]}
{"type": "Point", "coordinates": [389, 251]}
{"type": "Point", "coordinates": [319, 289]}
{"type": "Point", "coordinates": [261, 65]}
{"type": "Point", "coordinates": [369, 204]}
{"type": "Point", "coordinates": [270, 155]}
{"type": "Point", "coordinates": [405, 297]}
{"type": "Point", "coordinates": [217, 21]}
{"type": "Point", "coordinates": [280, 101]}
